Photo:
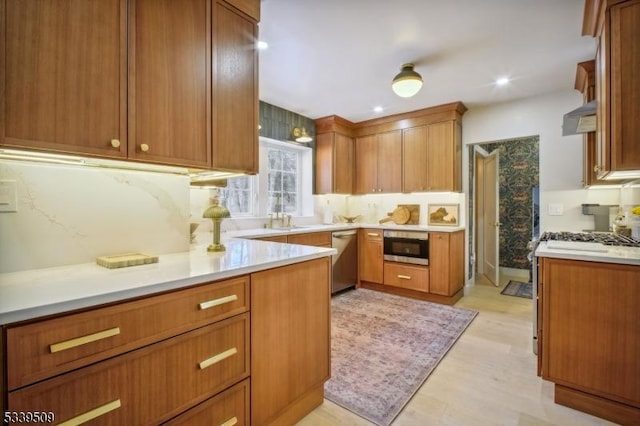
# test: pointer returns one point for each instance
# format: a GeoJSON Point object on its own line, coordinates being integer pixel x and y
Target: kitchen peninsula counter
{"type": "Point", "coordinates": [31, 294]}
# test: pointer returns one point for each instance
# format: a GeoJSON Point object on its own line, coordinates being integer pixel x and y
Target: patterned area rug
{"type": "Point", "coordinates": [383, 347]}
{"type": "Point", "coordinates": [518, 289]}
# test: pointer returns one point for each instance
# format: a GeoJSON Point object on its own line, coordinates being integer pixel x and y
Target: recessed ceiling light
{"type": "Point", "coordinates": [378, 109]}
{"type": "Point", "coordinates": [262, 45]}
{"type": "Point", "coordinates": [502, 81]}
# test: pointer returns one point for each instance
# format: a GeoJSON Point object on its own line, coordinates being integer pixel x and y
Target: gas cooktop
{"type": "Point", "coordinates": [606, 238]}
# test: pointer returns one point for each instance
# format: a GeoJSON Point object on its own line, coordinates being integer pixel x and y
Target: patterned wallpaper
{"type": "Point", "coordinates": [518, 176]}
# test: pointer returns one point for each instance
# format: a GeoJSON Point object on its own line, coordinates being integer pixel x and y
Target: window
{"type": "Point", "coordinates": [283, 186]}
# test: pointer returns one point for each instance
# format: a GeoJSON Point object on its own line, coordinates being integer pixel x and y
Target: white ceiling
{"type": "Point", "coordinates": [339, 56]}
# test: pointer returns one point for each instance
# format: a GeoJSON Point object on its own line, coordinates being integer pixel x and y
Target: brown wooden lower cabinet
{"type": "Point", "coordinates": [182, 357]}
{"type": "Point", "coordinates": [590, 339]}
{"type": "Point", "coordinates": [370, 256]}
{"type": "Point", "coordinates": [441, 282]}
{"type": "Point", "coordinates": [149, 385]}
{"type": "Point", "coordinates": [406, 276]}
{"type": "Point", "coordinates": [231, 407]}
{"type": "Point", "coordinates": [290, 340]}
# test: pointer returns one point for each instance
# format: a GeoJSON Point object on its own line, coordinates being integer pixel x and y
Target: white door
{"type": "Point", "coordinates": [491, 216]}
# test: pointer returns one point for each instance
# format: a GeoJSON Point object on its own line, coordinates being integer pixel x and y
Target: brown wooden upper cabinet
{"type": "Point", "coordinates": [379, 163]}
{"type": "Point", "coordinates": [64, 76]}
{"type": "Point", "coordinates": [432, 158]}
{"type": "Point", "coordinates": [411, 152]}
{"type": "Point", "coordinates": [169, 88]}
{"type": "Point", "coordinates": [335, 155]}
{"type": "Point", "coordinates": [617, 83]}
{"type": "Point", "coordinates": [334, 163]}
{"type": "Point", "coordinates": [69, 89]}
{"type": "Point", "coordinates": [235, 89]}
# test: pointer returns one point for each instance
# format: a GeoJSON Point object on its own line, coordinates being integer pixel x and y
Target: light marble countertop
{"type": "Point", "coordinates": [34, 293]}
{"type": "Point", "coordinates": [590, 252]}
{"type": "Point", "coordinates": [266, 232]}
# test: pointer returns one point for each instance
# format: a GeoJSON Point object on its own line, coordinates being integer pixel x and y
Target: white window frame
{"type": "Point", "coordinates": [259, 183]}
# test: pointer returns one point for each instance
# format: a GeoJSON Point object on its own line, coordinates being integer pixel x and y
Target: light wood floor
{"type": "Point", "coordinates": [487, 378]}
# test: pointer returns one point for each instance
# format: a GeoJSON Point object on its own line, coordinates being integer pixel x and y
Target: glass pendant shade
{"type": "Point", "coordinates": [407, 83]}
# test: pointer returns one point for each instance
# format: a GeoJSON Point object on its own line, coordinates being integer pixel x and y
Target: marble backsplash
{"type": "Point", "coordinates": [69, 214]}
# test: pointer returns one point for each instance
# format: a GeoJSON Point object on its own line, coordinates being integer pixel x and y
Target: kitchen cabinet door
{"type": "Point", "coordinates": [625, 86]}
{"type": "Point", "coordinates": [235, 91]}
{"type": "Point", "coordinates": [379, 163]}
{"type": "Point", "coordinates": [590, 338]}
{"type": "Point", "coordinates": [334, 163]}
{"type": "Point", "coordinates": [169, 82]}
{"type": "Point", "coordinates": [446, 262]}
{"type": "Point", "coordinates": [64, 65]}
{"type": "Point", "coordinates": [444, 157]}
{"type": "Point", "coordinates": [290, 340]}
{"type": "Point", "coordinates": [366, 165]}
{"type": "Point", "coordinates": [618, 90]}
{"type": "Point", "coordinates": [390, 161]}
{"type": "Point", "coordinates": [414, 159]}
{"type": "Point", "coordinates": [370, 256]}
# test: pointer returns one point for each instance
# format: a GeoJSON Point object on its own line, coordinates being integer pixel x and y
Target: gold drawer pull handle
{"type": "Point", "coordinates": [373, 234]}
{"type": "Point", "coordinates": [404, 277]}
{"type": "Point", "coordinates": [90, 415]}
{"type": "Point", "coordinates": [217, 358]}
{"type": "Point", "coordinates": [78, 341]}
{"type": "Point", "coordinates": [232, 421]}
{"type": "Point", "coordinates": [218, 302]}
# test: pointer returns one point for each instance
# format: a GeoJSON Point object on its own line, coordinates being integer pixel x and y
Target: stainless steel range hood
{"type": "Point", "coordinates": [580, 120]}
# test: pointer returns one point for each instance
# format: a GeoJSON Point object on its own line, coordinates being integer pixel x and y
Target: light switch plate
{"type": "Point", "coordinates": [8, 196]}
{"type": "Point", "coordinates": [556, 209]}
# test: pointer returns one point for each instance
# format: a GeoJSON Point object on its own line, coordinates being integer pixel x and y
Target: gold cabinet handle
{"type": "Point", "coordinates": [144, 147]}
{"type": "Point", "coordinates": [404, 277]}
{"type": "Point", "coordinates": [217, 302]}
{"type": "Point", "coordinates": [90, 415]}
{"type": "Point", "coordinates": [596, 168]}
{"type": "Point", "coordinates": [232, 421]}
{"type": "Point", "coordinates": [115, 143]}
{"type": "Point", "coordinates": [78, 341]}
{"type": "Point", "coordinates": [217, 358]}
{"type": "Point", "coordinates": [373, 234]}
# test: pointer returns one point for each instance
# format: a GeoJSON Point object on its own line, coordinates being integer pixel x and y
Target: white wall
{"type": "Point", "coordinates": [560, 156]}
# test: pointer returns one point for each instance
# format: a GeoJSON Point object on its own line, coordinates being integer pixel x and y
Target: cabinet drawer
{"type": "Point", "coordinates": [49, 347]}
{"type": "Point", "coordinates": [231, 407]}
{"type": "Point", "coordinates": [320, 239]}
{"type": "Point", "coordinates": [406, 276]}
{"type": "Point", "coordinates": [371, 234]}
{"type": "Point", "coordinates": [149, 385]}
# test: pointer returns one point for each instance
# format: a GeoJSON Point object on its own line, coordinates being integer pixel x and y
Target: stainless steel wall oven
{"type": "Point", "coordinates": [406, 246]}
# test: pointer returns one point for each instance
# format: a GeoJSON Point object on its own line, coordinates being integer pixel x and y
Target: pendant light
{"type": "Point", "coordinates": [407, 83]}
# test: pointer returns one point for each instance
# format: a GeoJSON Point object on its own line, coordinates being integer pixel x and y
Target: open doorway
{"type": "Point", "coordinates": [518, 168]}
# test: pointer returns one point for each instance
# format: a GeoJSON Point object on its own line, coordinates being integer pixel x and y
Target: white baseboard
{"type": "Point", "coordinates": [515, 273]}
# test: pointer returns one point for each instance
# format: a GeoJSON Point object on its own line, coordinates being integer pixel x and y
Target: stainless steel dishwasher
{"type": "Point", "coordinates": [345, 262]}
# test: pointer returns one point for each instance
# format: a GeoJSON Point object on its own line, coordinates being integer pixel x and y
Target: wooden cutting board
{"type": "Point", "coordinates": [399, 216]}
{"type": "Point", "coordinates": [414, 212]}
